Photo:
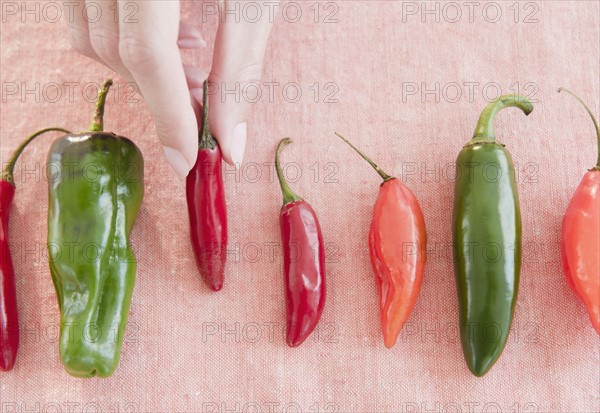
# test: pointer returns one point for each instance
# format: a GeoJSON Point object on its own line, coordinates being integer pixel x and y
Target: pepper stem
{"type": "Point", "coordinates": [206, 139]}
{"type": "Point", "coordinates": [484, 132]}
{"type": "Point", "coordinates": [288, 194]}
{"type": "Point", "coordinates": [7, 172]}
{"type": "Point", "coordinates": [562, 89]}
{"type": "Point", "coordinates": [385, 176]}
{"type": "Point", "coordinates": [97, 122]}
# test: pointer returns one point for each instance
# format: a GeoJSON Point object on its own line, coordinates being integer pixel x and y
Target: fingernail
{"type": "Point", "coordinates": [238, 144]}
{"type": "Point", "coordinates": [194, 32]}
{"type": "Point", "coordinates": [191, 43]}
{"type": "Point", "coordinates": [177, 161]}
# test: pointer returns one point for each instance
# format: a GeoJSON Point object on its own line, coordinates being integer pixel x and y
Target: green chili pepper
{"type": "Point", "coordinates": [95, 191]}
{"type": "Point", "coordinates": [487, 239]}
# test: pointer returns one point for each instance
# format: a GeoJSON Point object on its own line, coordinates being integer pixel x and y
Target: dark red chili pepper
{"type": "Point", "coordinates": [206, 206]}
{"type": "Point", "coordinates": [9, 320]}
{"type": "Point", "coordinates": [303, 261]}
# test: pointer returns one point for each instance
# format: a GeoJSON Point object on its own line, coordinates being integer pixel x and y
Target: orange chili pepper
{"type": "Point", "coordinates": [397, 246]}
{"type": "Point", "coordinates": [580, 247]}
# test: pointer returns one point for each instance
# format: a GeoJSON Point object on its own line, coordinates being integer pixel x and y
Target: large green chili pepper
{"type": "Point", "coordinates": [487, 239]}
{"type": "Point", "coordinates": [95, 192]}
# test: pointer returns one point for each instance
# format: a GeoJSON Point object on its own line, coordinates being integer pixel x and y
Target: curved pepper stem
{"type": "Point", "coordinates": [7, 172]}
{"type": "Point", "coordinates": [484, 132]}
{"type": "Point", "coordinates": [97, 122]}
{"type": "Point", "coordinates": [288, 194]}
{"type": "Point", "coordinates": [206, 141]}
{"type": "Point", "coordinates": [562, 89]}
{"type": "Point", "coordinates": [385, 176]}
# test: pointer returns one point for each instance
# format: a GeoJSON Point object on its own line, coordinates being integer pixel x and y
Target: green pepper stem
{"type": "Point", "coordinates": [7, 172]}
{"type": "Point", "coordinates": [562, 89]}
{"type": "Point", "coordinates": [206, 139]}
{"type": "Point", "coordinates": [385, 176]}
{"type": "Point", "coordinates": [484, 132]}
{"type": "Point", "coordinates": [97, 122]}
{"type": "Point", "coordinates": [288, 194]}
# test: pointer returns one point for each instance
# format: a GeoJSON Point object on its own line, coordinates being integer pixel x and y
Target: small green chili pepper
{"type": "Point", "coordinates": [95, 191]}
{"type": "Point", "coordinates": [487, 239]}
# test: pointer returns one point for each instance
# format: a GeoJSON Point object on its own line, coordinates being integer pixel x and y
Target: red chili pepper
{"type": "Point", "coordinates": [397, 245]}
{"type": "Point", "coordinates": [303, 261]}
{"type": "Point", "coordinates": [9, 320]}
{"type": "Point", "coordinates": [580, 247]}
{"type": "Point", "coordinates": [206, 206]}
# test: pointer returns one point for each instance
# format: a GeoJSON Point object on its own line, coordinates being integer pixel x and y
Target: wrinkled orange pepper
{"type": "Point", "coordinates": [397, 246]}
{"type": "Point", "coordinates": [580, 247]}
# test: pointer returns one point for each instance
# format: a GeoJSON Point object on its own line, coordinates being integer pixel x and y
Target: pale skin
{"type": "Point", "coordinates": [148, 52]}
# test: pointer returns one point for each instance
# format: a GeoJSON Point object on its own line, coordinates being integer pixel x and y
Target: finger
{"type": "Point", "coordinates": [237, 60]}
{"type": "Point", "coordinates": [190, 37]}
{"type": "Point", "coordinates": [195, 81]}
{"type": "Point", "coordinates": [149, 51]}
{"type": "Point", "coordinates": [104, 35]}
{"type": "Point", "coordinates": [195, 78]}
{"type": "Point", "coordinates": [78, 29]}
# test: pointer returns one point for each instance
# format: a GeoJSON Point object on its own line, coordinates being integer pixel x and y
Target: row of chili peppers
{"type": "Point", "coordinates": [105, 211]}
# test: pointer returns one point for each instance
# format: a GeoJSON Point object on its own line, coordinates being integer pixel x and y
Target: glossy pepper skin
{"type": "Point", "coordinates": [397, 247]}
{"type": "Point", "coordinates": [580, 243]}
{"type": "Point", "coordinates": [487, 240]}
{"type": "Point", "coordinates": [9, 320]}
{"type": "Point", "coordinates": [207, 208]}
{"type": "Point", "coordinates": [304, 262]}
{"type": "Point", "coordinates": [95, 192]}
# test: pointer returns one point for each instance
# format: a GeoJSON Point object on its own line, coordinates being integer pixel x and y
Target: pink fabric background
{"type": "Point", "coordinates": [172, 362]}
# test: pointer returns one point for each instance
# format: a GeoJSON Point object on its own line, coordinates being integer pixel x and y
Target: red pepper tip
{"type": "Point", "coordinates": [294, 343]}
{"type": "Point", "coordinates": [7, 359]}
{"type": "Point", "coordinates": [216, 286]}
{"type": "Point", "coordinates": [389, 342]}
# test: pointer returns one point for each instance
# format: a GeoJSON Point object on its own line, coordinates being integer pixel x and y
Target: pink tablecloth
{"type": "Point", "coordinates": [407, 86]}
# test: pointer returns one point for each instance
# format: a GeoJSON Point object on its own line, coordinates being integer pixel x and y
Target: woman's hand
{"type": "Point", "coordinates": [145, 49]}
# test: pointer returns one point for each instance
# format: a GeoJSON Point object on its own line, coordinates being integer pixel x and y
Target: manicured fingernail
{"type": "Point", "coordinates": [177, 161]}
{"type": "Point", "coordinates": [238, 144]}
{"type": "Point", "coordinates": [191, 43]}
{"type": "Point", "coordinates": [192, 31]}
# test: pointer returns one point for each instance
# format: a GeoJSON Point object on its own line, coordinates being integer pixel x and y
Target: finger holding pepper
{"type": "Point", "coordinates": [207, 209]}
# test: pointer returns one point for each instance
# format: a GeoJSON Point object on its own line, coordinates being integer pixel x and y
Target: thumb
{"type": "Point", "coordinates": [237, 61]}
